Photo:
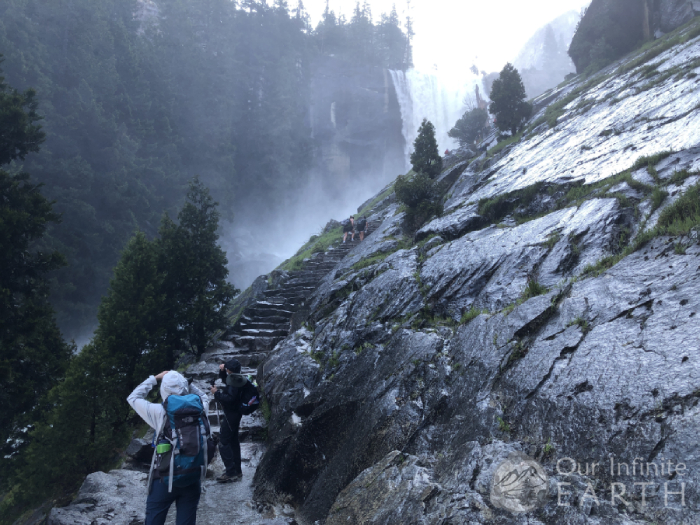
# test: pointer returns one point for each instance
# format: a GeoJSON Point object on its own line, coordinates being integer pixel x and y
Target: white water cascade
{"type": "Point", "coordinates": [433, 96]}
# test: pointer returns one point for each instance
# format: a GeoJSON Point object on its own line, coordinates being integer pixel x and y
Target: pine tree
{"type": "Point", "coordinates": [195, 272]}
{"type": "Point", "coordinates": [19, 133]}
{"type": "Point", "coordinates": [131, 320]}
{"type": "Point", "coordinates": [33, 355]}
{"type": "Point", "coordinates": [425, 157]}
{"type": "Point", "coordinates": [79, 435]}
{"type": "Point", "coordinates": [509, 104]}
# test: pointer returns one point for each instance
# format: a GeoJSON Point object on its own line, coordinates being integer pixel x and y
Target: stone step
{"type": "Point", "coordinates": [270, 310]}
{"type": "Point", "coordinates": [264, 332]}
{"type": "Point", "coordinates": [288, 294]}
{"type": "Point", "coordinates": [290, 289]}
{"type": "Point", "coordinates": [258, 343]}
{"type": "Point", "coordinates": [263, 323]}
{"type": "Point", "coordinates": [292, 297]}
{"type": "Point", "coordinates": [277, 319]}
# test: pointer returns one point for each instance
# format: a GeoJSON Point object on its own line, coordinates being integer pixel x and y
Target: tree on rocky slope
{"type": "Point", "coordinates": [470, 126]}
{"type": "Point", "coordinates": [426, 158]}
{"type": "Point", "coordinates": [420, 196]}
{"type": "Point", "coordinates": [509, 103]}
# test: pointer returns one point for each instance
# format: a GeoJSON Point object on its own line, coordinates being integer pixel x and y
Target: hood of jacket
{"type": "Point", "coordinates": [174, 383]}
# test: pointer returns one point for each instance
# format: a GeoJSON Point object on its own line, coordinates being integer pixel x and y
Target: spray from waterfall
{"type": "Point", "coordinates": [437, 97]}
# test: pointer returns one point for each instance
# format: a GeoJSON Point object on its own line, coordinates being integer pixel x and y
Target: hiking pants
{"type": "Point", "coordinates": [159, 500]}
{"type": "Point", "coordinates": [229, 446]}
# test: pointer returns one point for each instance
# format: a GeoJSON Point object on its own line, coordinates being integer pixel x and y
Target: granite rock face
{"type": "Point", "coordinates": [118, 496]}
{"type": "Point", "coordinates": [422, 369]}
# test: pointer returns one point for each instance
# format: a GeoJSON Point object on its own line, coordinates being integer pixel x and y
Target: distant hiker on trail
{"type": "Point", "coordinates": [239, 398]}
{"type": "Point", "coordinates": [349, 227]}
{"type": "Point", "coordinates": [168, 479]}
{"type": "Point", "coordinates": [362, 227]}
{"type": "Point", "coordinates": [447, 152]}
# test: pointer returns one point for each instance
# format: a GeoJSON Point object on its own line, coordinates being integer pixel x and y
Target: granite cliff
{"type": "Point", "coordinates": [537, 315]}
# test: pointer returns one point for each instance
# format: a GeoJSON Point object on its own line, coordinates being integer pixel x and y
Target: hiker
{"type": "Point", "coordinates": [229, 397]}
{"type": "Point", "coordinates": [362, 227]}
{"type": "Point", "coordinates": [349, 227]}
{"type": "Point", "coordinates": [161, 495]}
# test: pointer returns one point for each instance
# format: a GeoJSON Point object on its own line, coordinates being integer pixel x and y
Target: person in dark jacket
{"type": "Point", "coordinates": [349, 227]}
{"type": "Point", "coordinates": [362, 227]}
{"type": "Point", "coordinates": [229, 397]}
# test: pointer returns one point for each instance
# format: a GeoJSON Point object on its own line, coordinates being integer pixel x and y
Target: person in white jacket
{"type": "Point", "coordinates": [159, 499]}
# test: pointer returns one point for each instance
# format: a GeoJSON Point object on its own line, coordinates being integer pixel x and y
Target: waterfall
{"type": "Point", "coordinates": [439, 99]}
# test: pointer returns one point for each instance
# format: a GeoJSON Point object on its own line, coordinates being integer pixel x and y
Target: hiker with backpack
{"type": "Point", "coordinates": [349, 227]}
{"type": "Point", "coordinates": [238, 397]}
{"type": "Point", "coordinates": [182, 445]}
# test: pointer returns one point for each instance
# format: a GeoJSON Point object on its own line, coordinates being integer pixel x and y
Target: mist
{"type": "Point", "coordinates": [291, 118]}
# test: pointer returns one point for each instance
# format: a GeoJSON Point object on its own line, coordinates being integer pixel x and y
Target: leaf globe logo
{"type": "Point", "coordinates": [519, 484]}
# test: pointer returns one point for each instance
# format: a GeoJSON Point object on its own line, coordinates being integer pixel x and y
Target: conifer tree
{"type": "Point", "coordinates": [195, 280]}
{"type": "Point", "coordinates": [425, 157]}
{"type": "Point", "coordinates": [131, 320]}
{"type": "Point", "coordinates": [508, 100]}
{"type": "Point", "coordinates": [470, 126]}
{"type": "Point", "coordinates": [33, 355]}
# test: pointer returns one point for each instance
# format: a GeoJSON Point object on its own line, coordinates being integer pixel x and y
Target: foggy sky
{"type": "Point", "coordinates": [456, 33]}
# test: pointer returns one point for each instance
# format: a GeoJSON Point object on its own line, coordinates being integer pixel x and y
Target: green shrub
{"type": "Point", "coordinates": [420, 196]}
{"type": "Point", "coordinates": [470, 127]}
{"type": "Point", "coordinates": [498, 207]}
{"type": "Point", "coordinates": [502, 425]}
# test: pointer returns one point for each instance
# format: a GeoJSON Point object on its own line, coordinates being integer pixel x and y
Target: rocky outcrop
{"type": "Point", "coordinates": [516, 329]}
{"type": "Point", "coordinates": [117, 496]}
{"type": "Point", "coordinates": [609, 29]}
{"type": "Point", "coordinates": [356, 121]}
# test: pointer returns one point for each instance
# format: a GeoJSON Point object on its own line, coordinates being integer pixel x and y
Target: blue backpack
{"type": "Point", "coordinates": [181, 455]}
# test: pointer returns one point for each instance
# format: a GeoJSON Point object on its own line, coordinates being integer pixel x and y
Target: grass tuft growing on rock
{"type": "Point", "coordinates": [683, 215]}
{"type": "Point", "coordinates": [533, 289]}
{"type": "Point", "coordinates": [581, 323]}
{"type": "Point", "coordinates": [679, 177]}
{"type": "Point", "coordinates": [472, 313]}
{"type": "Point", "coordinates": [658, 196]}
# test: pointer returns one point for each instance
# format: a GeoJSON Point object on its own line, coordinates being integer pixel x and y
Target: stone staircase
{"type": "Point", "coordinates": [261, 326]}
{"type": "Point", "coordinates": [268, 321]}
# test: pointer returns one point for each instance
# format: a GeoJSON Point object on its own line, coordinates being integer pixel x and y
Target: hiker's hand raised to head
{"type": "Point", "coordinates": [160, 376]}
